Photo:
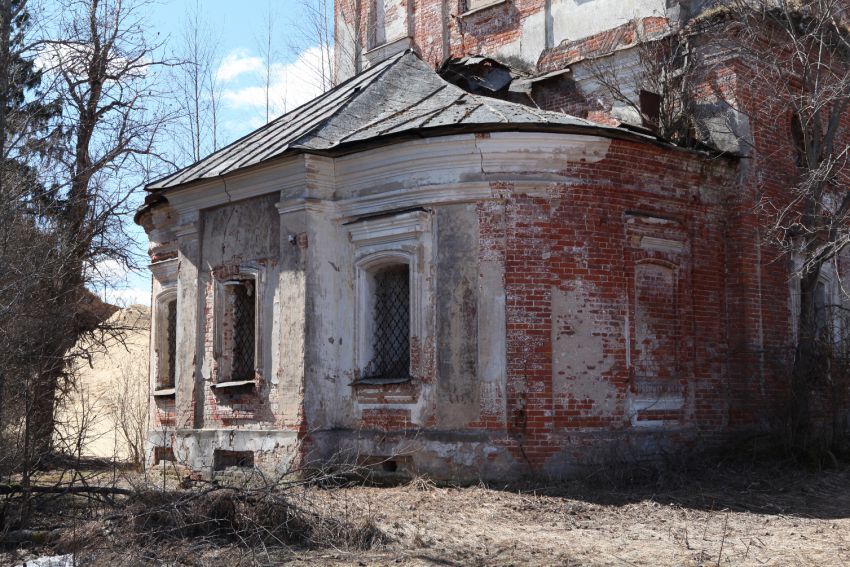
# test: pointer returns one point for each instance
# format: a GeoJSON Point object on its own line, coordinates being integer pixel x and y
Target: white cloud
{"type": "Point", "coordinates": [292, 84]}
{"type": "Point", "coordinates": [127, 296]}
{"type": "Point", "coordinates": [237, 63]}
{"type": "Point", "coordinates": [115, 284]}
{"type": "Point", "coordinates": [74, 58]}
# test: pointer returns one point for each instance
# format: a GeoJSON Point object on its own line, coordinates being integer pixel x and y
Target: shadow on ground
{"type": "Point", "coordinates": [774, 487]}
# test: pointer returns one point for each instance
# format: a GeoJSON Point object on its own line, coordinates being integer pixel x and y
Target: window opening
{"type": "Point", "coordinates": [225, 459]}
{"type": "Point", "coordinates": [391, 318]}
{"type": "Point", "coordinates": [378, 35]}
{"type": "Point", "coordinates": [171, 338]}
{"type": "Point", "coordinates": [243, 319]}
{"type": "Point", "coordinates": [650, 109]}
{"type": "Point", "coordinates": [161, 454]}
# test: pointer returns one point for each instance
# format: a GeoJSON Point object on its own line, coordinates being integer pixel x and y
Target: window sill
{"type": "Point", "coordinates": [482, 8]}
{"type": "Point", "coordinates": [381, 381]}
{"type": "Point", "coordinates": [234, 384]}
{"type": "Point", "coordinates": [165, 393]}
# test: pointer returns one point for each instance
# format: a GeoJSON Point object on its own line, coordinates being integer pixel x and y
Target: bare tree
{"type": "Point", "coordinates": [31, 257]}
{"type": "Point", "coordinates": [314, 29]}
{"type": "Point", "coordinates": [657, 81]}
{"type": "Point", "coordinates": [197, 85]}
{"type": "Point", "coordinates": [792, 62]}
{"type": "Point", "coordinates": [797, 56]}
{"type": "Point", "coordinates": [127, 409]}
{"type": "Point", "coordinates": [268, 53]}
{"type": "Point", "coordinates": [80, 176]}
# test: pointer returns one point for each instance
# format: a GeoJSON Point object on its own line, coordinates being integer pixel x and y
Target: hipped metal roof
{"type": "Point", "coordinates": [400, 95]}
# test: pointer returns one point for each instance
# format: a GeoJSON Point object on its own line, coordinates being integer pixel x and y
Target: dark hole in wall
{"type": "Point", "coordinates": [243, 330]}
{"type": "Point", "coordinates": [171, 330]}
{"type": "Point", "coordinates": [224, 459]}
{"type": "Point", "coordinates": [650, 109]}
{"type": "Point", "coordinates": [163, 454]}
{"type": "Point", "coordinates": [387, 464]}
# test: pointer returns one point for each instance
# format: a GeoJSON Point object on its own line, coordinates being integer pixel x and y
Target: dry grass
{"type": "Point", "coordinates": [732, 515]}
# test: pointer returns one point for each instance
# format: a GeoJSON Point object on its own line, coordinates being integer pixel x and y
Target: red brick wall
{"type": "Point", "coordinates": [719, 316]}
{"type": "Point", "coordinates": [579, 234]}
{"type": "Point", "coordinates": [587, 235]}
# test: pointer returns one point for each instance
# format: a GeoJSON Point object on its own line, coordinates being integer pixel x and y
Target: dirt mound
{"type": "Point", "coordinates": [107, 407]}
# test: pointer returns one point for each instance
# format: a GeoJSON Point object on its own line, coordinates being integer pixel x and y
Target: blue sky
{"type": "Point", "coordinates": [238, 29]}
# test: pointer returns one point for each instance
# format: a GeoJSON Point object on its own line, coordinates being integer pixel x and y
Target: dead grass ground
{"type": "Point", "coordinates": [732, 515]}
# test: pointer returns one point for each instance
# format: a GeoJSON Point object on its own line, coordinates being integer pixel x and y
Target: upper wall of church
{"type": "Point", "coordinates": [517, 31]}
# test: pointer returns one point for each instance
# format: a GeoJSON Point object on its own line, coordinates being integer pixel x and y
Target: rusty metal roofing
{"type": "Point", "coordinates": [400, 95]}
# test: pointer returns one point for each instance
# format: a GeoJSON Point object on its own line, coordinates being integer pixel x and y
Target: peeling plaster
{"type": "Point", "coordinates": [579, 358]}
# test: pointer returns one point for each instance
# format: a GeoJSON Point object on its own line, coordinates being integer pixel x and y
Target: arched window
{"type": "Point", "coordinates": [240, 327]}
{"type": "Point", "coordinates": [393, 312]}
{"type": "Point", "coordinates": [171, 348]}
{"type": "Point", "coordinates": [166, 343]}
{"type": "Point", "coordinates": [390, 302]}
{"type": "Point", "coordinates": [238, 316]}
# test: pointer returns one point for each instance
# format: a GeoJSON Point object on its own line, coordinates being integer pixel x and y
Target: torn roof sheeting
{"type": "Point", "coordinates": [400, 95]}
{"type": "Point", "coordinates": [477, 74]}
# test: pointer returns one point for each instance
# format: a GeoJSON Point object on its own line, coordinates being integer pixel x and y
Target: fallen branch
{"type": "Point", "coordinates": [40, 537]}
{"type": "Point", "coordinates": [100, 490]}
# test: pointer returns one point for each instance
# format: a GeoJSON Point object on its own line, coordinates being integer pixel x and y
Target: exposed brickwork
{"type": "Point", "coordinates": [386, 419]}
{"type": "Point", "coordinates": [405, 393]}
{"type": "Point", "coordinates": [165, 413]}
{"type": "Point", "coordinates": [621, 37]}
{"type": "Point", "coordinates": [640, 301]}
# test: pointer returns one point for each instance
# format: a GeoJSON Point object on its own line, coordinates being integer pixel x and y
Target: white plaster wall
{"type": "Point", "coordinates": [345, 51]}
{"type": "Point", "coordinates": [531, 42]}
{"type": "Point", "coordinates": [395, 19]}
{"type": "Point", "coordinates": [576, 19]}
{"type": "Point", "coordinates": [570, 20]}
{"type": "Point", "coordinates": [308, 337]}
{"type": "Point", "coordinates": [440, 174]}
{"type": "Point", "coordinates": [625, 68]}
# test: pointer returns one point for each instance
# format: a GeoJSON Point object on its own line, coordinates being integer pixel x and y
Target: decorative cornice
{"type": "Point", "coordinates": [164, 270]}
{"type": "Point", "coordinates": [408, 198]}
{"type": "Point", "coordinates": [308, 205]}
{"type": "Point", "coordinates": [186, 230]}
{"type": "Point", "coordinates": [391, 228]}
{"type": "Point", "coordinates": [445, 169]}
{"type": "Point", "coordinates": [285, 176]}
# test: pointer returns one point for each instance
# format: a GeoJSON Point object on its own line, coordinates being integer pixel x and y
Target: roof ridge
{"type": "Point", "coordinates": [358, 92]}
{"type": "Point", "coordinates": [400, 96]}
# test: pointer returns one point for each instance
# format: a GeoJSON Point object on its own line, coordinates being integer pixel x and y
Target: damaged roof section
{"type": "Point", "coordinates": [400, 95]}
{"type": "Point", "coordinates": [483, 75]}
{"type": "Point", "coordinates": [479, 75]}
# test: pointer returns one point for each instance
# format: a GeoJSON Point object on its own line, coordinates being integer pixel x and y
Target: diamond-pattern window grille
{"type": "Point", "coordinates": [242, 367]}
{"type": "Point", "coordinates": [171, 338]}
{"type": "Point", "coordinates": [391, 339]}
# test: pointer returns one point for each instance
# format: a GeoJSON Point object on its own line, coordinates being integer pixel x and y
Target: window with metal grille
{"type": "Point", "coordinates": [242, 313]}
{"type": "Point", "coordinates": [171, 344]}
{"type": "Point", "coordinates": [391, 323]}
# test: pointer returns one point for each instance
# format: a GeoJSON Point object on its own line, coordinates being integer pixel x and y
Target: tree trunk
{"type": "Point", "coordinates": [805, 369]}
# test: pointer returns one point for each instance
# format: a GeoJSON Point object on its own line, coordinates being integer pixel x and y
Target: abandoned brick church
{"type": "Point", "coordinates": [462, 261]}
